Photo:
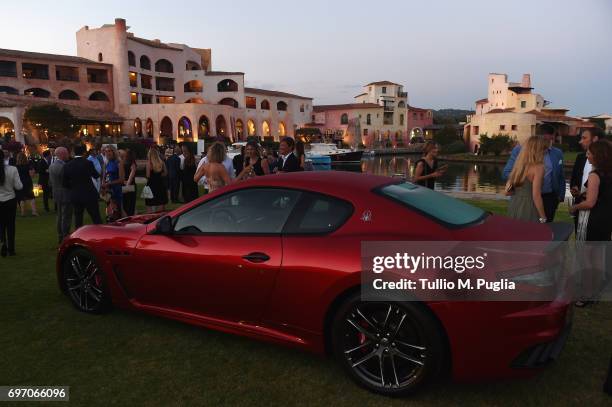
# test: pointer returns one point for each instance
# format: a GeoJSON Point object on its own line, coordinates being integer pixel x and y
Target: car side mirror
{"type": "Point", "coordinates": [164, 226]}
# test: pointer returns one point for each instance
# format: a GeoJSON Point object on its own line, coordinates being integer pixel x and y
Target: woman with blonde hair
{"type": "Point", "coordinates": [156, 171]}
{"type": "Point", "coordinates": [525, 182]}
{"type": "Point", "coordinates": [214, 170]}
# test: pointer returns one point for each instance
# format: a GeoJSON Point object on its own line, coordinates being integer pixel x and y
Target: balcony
{"type": "Point", "coordinates": [35, 71]}
{"type": "Point", "coordinates": [97, 75]}
{"type": "Point", "coordinates": [402, 94]}
{"type": "Point", "coordinates": [8, 68]}
{"type": "Point", "coordinates": [388, 108]}
{"type": "Point", "coordinates": [66, 73]}
{"type": "Point", "coordinates": [164, 84]}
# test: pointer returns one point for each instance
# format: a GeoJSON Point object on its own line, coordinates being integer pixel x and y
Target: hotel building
{"type": "Point", "coordinates": [123, 84]}
{"type": "Point", "coordinates": [511, 108]}
{"type": "Point", "coordinates": [379, 116]}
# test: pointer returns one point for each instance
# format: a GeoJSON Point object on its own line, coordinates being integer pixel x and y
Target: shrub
{"type": "Point", "coordinates": [456, 147]}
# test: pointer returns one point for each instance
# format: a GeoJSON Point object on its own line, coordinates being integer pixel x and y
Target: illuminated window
{"type": "Point", "coordinates": [133, 98]}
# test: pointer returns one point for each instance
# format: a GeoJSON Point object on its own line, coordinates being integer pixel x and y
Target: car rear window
{"type": "Point", "coordinates": [442, 208]}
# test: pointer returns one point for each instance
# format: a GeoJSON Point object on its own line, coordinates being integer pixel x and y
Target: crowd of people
{"type": "Point", "coordinates": [76, 181]}
{"type": "Point", "coordinates": [536, 183]}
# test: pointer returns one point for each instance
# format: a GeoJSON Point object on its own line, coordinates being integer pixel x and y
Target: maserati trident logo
{"type": "Point", "coordinates": [366, 216]}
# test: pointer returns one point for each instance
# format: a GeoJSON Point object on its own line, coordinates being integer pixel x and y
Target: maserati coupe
{"type": "Point", "coordinates": [278, 258]}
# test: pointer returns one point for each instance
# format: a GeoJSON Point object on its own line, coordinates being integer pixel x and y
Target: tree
{"type": "Point", "coordinates": [495, 144]}
{"type": "Point", "coordinates": [51, 120]}
{"type": "Point", "coordinates": [446, 135]}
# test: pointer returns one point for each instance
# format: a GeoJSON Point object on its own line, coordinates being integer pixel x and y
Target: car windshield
{"type": "Point", "coordinates": [441, 207]}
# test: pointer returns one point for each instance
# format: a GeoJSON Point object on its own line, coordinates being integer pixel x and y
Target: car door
{"type": "Point", "coordinates": [222, 259]}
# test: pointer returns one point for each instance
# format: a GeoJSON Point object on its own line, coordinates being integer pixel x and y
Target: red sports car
{"type": "Point", "coordinates": [278, 258]}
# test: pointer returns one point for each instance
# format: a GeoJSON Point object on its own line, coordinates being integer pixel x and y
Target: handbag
{"type": "Point", "coordinates": [146, 193]}
{"type": "Point", "coordinates": [128, 188]}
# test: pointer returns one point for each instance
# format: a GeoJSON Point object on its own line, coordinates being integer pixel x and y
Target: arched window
{"type": "Point", "coordinates": [221, 126]}
{"type": "Point", "coordinates": [9, 90]}
{"type": "Point", "coordinates": [100, 59]}
{"type": "Point", "coordinates": [131, 59]}
{"type": "Point", "coordinates": [99, 96]}
{"type": "Point", "coordinates": [265, 105]}
{"type": "Point", "coordinates": [203, 127]}
{"type": "Point", "coordinates": [163, 65]}
{"type": "Point", "coordinates": [227, 85]}
{"type": "Point", "coordinates": [251, 129]}
{"type": "Point", "coordinates": [281, 106]}
{"type": "Point", "coordinates": [401, 105]}
{"type": "Point", "coordinates": [184, 128]}
{"type": "Point", "coordinates": [149, 127]}
{"type": "Point", "coordinates": [192, 66]}
{"type": "Point", "coordinates": [282, 131]}
{"type": "Point", "coordinates": [145, 62]}
{"type": "Point", "coordinates": [68, 95]}
{"type": "Point", "coordinates": [165, 127]}
{"type": "Point", "coordinates": [137, 127]}
{"type": "Point", "coordinates": [37, 92]}
{"type": "Point", "coordinates": [344, 118]}
{"type": "Point", "coordinates": [369, 119]}
{"type": "Point", "coordinates": [229, 102]}
{"type": "Point", "coordinates": [265, 127]}
{"type": "Point", "coordinates": [239, 130]}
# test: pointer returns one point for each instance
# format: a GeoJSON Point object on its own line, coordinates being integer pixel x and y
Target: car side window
{"type": "Point", "coordinates": [248, 211]}
{"type": "Point", "coordinates": [319, 214]}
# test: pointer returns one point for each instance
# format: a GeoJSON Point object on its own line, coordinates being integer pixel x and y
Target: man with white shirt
{"type": "Point", "coordinates": [582, 166]}
{"type": "Point", "coordinates": [227, 163]}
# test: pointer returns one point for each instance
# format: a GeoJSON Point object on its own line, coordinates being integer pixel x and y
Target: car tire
{"type": "Point", "coordinates": [84, 282]}
{"type": "Point", "coordinates": [390, 348]}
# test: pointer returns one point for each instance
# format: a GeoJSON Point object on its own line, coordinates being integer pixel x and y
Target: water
{"type": "Point", "coordinates": [459, 177]}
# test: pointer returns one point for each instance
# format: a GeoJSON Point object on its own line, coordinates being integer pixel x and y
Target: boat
{"type": "Point", "coordinates": [337, 155]}
{"type": "Point", "coordinates": [235, 149]}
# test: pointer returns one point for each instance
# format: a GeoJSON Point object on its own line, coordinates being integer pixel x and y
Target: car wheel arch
{"type": "Point", "coordinates": [348, 292]}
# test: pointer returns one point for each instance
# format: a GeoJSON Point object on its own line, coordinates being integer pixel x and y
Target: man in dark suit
{"type": "Point", "coordinates": [287, 162]}
{"type": "Point", "coordinates": [83, 194]}
{"type": "Point", "coordinates": [43, 177]}
{"type": "Point", "coordinates": [173, 165]}
{"type": "Point", "coordinates": [553, 186]}
{"type": "Point", "coordinates": [61, 196]}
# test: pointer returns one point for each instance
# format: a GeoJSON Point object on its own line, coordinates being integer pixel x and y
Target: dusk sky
{"type": "Point", "coordinates": [440, 50]}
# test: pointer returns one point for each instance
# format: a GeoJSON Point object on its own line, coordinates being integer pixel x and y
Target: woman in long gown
{"type": "Point", "coordinates": [525, 182]}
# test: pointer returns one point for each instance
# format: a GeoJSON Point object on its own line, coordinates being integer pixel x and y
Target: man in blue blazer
{"type": "Point", "coordinates": [553, 187]}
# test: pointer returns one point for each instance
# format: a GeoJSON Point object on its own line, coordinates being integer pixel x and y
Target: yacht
{"type": "Point", "coordinates": [337, 155]}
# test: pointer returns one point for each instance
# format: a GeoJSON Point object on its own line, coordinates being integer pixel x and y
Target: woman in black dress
{"type": "Point", "coordinates": [254, 165]}
{"type": "Point", "coordinates": [156, 170]}
{"type": "Point", "coordinates": [426, 170]}
{"type": "Point", "coordinates": [595, 222]}
{"type": "Point", "coordinates": [190, 187]}
{"type": "Point", "coordinates": [598, 225]}
{"type": "Point", "coordinates": [129, 189]}
{"type": "Point", "coordinates": [26, 171]}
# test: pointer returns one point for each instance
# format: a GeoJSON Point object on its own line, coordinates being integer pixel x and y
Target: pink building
{"type": "Point", "coordinates": [418, 120]}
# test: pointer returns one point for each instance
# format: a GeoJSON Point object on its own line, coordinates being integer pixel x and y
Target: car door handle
{"type": "Point", "coordinates": [256, 257]}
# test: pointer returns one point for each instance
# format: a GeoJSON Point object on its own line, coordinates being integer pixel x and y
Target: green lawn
{"type": "Point", "coordinates": [125, 358]}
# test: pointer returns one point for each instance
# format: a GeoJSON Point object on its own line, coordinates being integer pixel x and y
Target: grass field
{"type": "Point", "coordinates": [125, 358]}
